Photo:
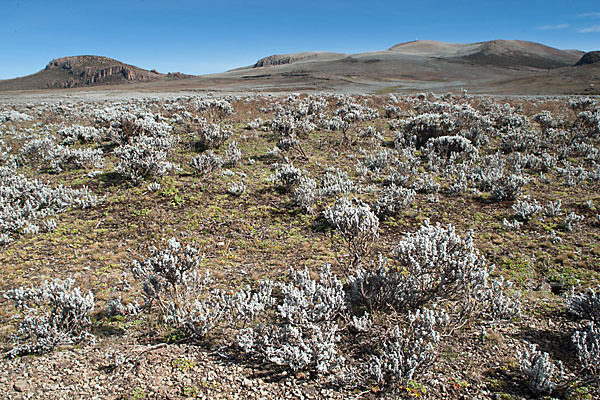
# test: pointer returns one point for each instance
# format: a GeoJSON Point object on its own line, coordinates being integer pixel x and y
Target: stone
{"type": "Point", "coordinates": [20, 386]}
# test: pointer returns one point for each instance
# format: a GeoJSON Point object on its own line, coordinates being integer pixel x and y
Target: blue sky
{"type": "Point", "coordinates": [200, 37]}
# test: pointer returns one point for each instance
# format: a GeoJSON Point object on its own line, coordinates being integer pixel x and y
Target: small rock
{"type": "Point", "coordinates": [20, 386]}
{"type": "Point", "coordinates": [544, 287]}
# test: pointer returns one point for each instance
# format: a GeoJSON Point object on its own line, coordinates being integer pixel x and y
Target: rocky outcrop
{"type": "Point", "coordinates": [282, 59]}
{"type": "Point", "coordinates": [278, 59]}
{"type": "Point", "coordinates": [591, 57]}
{"type": "Point", "coordinates": [96, 70]}
{"type": "Point", "coordinates": [180, 75]}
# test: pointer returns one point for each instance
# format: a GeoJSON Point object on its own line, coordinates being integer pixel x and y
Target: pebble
{"type": "Point", "coordinates": [68, 375]}
{"type": "Point", "coordinates": [20, 386]}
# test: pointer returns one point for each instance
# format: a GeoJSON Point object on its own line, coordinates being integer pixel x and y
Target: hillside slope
{"type": "Point", "coordinates": [497, 66]}
{"type": "Point", "coordinates": [80, 71]}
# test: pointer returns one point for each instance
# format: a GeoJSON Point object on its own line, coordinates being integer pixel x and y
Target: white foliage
{"type": "Point", "coordinates": [537, 367]}
{"type": "Point", "coordinates": [587, 347]}
{"type": "Point", "coordinates": [357, 224]}
{"type": "Point", "coordinates": [306, 194]}
{"type": "Point", "coordinates": [25, 203]}
{"type": "Point", "coordinates": [212, 135]}
{"type": "Point", "coordinates": [286, 176]}
{"type": "Point", "coordinates": [236, 189]}
{"type": "Point", "coordinates": [408, 351]}
{"type": "Point", "coordinates": [144, 157]}
{"type": "Point", "coordinates": [14, 116]}
{"type": "Point", "coordinates": [306, 334]}
{"type": "Point", "coordinates": [438, 263]}
{"type": "Point", "coordinates": [526, 209]}
{"type": "Point", "coordinates": [573, 221]}
{"type": "Point", "coordinates": [585, 305]}
{"type": "Point", "coordinates": [336, 182]}
{"type": "Point", "coordinates": [233, 155]}
{"type": "Point", "coordinates": [55, 314]}
{"type": "Point", "coordinates": [206, 163]}
{"type": "Point", "coordinates": [393, 199]}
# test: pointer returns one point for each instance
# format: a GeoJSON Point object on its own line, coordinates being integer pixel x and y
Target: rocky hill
{"type": "Point", "coordinates": [496, 53]}
{"type": "Point", "coordinates": [281, 59]}
{"type": "Point", "coordinates": [592, 57]}
{"type": "Point", "coordinates": [81, 71]}
{"type": "Point", "coordinates": [497, 66]}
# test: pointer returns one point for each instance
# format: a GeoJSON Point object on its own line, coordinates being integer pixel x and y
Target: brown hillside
{"type": "Point", "coordinates": [80, 71]}
{"type": "Point", "coordinates": [517, 53]}
{"type": "Point", "coordinates": [499, 66]}
{"type": "Point", "coordinates": [497, 53]}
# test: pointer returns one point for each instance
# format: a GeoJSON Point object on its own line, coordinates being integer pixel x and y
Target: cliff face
{"type": "Point", "coordinates": [282, 59]}
{"type": "Point", "coordinates": [278, 59]}
{"type": "Point", "coordinates": [96, 70]}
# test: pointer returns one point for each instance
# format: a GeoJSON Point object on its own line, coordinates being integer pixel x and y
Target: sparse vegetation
{"type": "Point", "coordinates": [333, 244]}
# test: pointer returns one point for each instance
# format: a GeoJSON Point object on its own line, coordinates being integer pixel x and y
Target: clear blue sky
{"type": "Point", "coordinates": [200, 37]}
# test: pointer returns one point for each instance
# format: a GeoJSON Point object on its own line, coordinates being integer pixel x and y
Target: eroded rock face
{"type": "Point", "coordinates": [94, 70]}
{"type": "Point", "coordinates": [591, 57]}
{"type": "Point", "coordinates": [278, 59]}
{"type": "Point", "coordinates": [180, 75]}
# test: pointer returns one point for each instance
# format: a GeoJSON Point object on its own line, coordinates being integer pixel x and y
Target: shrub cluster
{"type": "Point", "coordinates": [144, 157]}
{"type": "Point", "coordinates": [357, 224]}
{"type": "Point", "coordinates": [25, 203]}
{"type": "Point", "coordinates": [57, 313]}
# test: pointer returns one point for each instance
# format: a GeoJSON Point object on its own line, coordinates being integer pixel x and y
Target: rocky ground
{"type": "Point", "coordinates": [161, 371]}
{"type": "Point", "coordinates": [264, 232]}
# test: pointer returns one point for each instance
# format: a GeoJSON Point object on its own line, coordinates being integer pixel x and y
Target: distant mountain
{"type": "Point", "coordinates": [81, 71]}
{"type": "Point", "coordinates": [497, 66]}
{"type": "Point", "coordinates": [462, 65]}
{"type": "Point", "coordinates": [518, 53]}
{"type": "Point", "coordinates": [497, 53]}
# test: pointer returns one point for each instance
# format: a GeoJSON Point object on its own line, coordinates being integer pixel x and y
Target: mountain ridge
{"type": "Point", "coordinates": [485, 65]}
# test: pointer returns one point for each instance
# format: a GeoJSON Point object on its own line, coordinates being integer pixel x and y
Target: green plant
{"type": "Point", "coordinates": [141, 213]}
{"type": "Point", "coordinates": [190, 391]}
{"type": "Point", "coordinates": [183, 364]}
{"type": "Point", "coordinates": [577, 392]}
{"type": "Point", "coordinates": [459, 383]}
{"type": "Point", "coordinates": [174, 336]}
{"type": "Point", "coordinates": [414, 389]}
{"type": "Point", "coordinates": [177, 200]}
{"type": "Point", "coordinates": [518, 269]}
{"type": "Point", "coordinates": [138, 394]}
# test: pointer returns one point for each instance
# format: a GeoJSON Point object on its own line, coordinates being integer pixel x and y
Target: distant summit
{"type": "Point", "coordinates": [496, 66]}
{"type": "Point", "coordinates": [81, 71]}
{"type": "Point", "coordinates": [493, 53]}
{"type": "Point", "coordinates": [498, 53]}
